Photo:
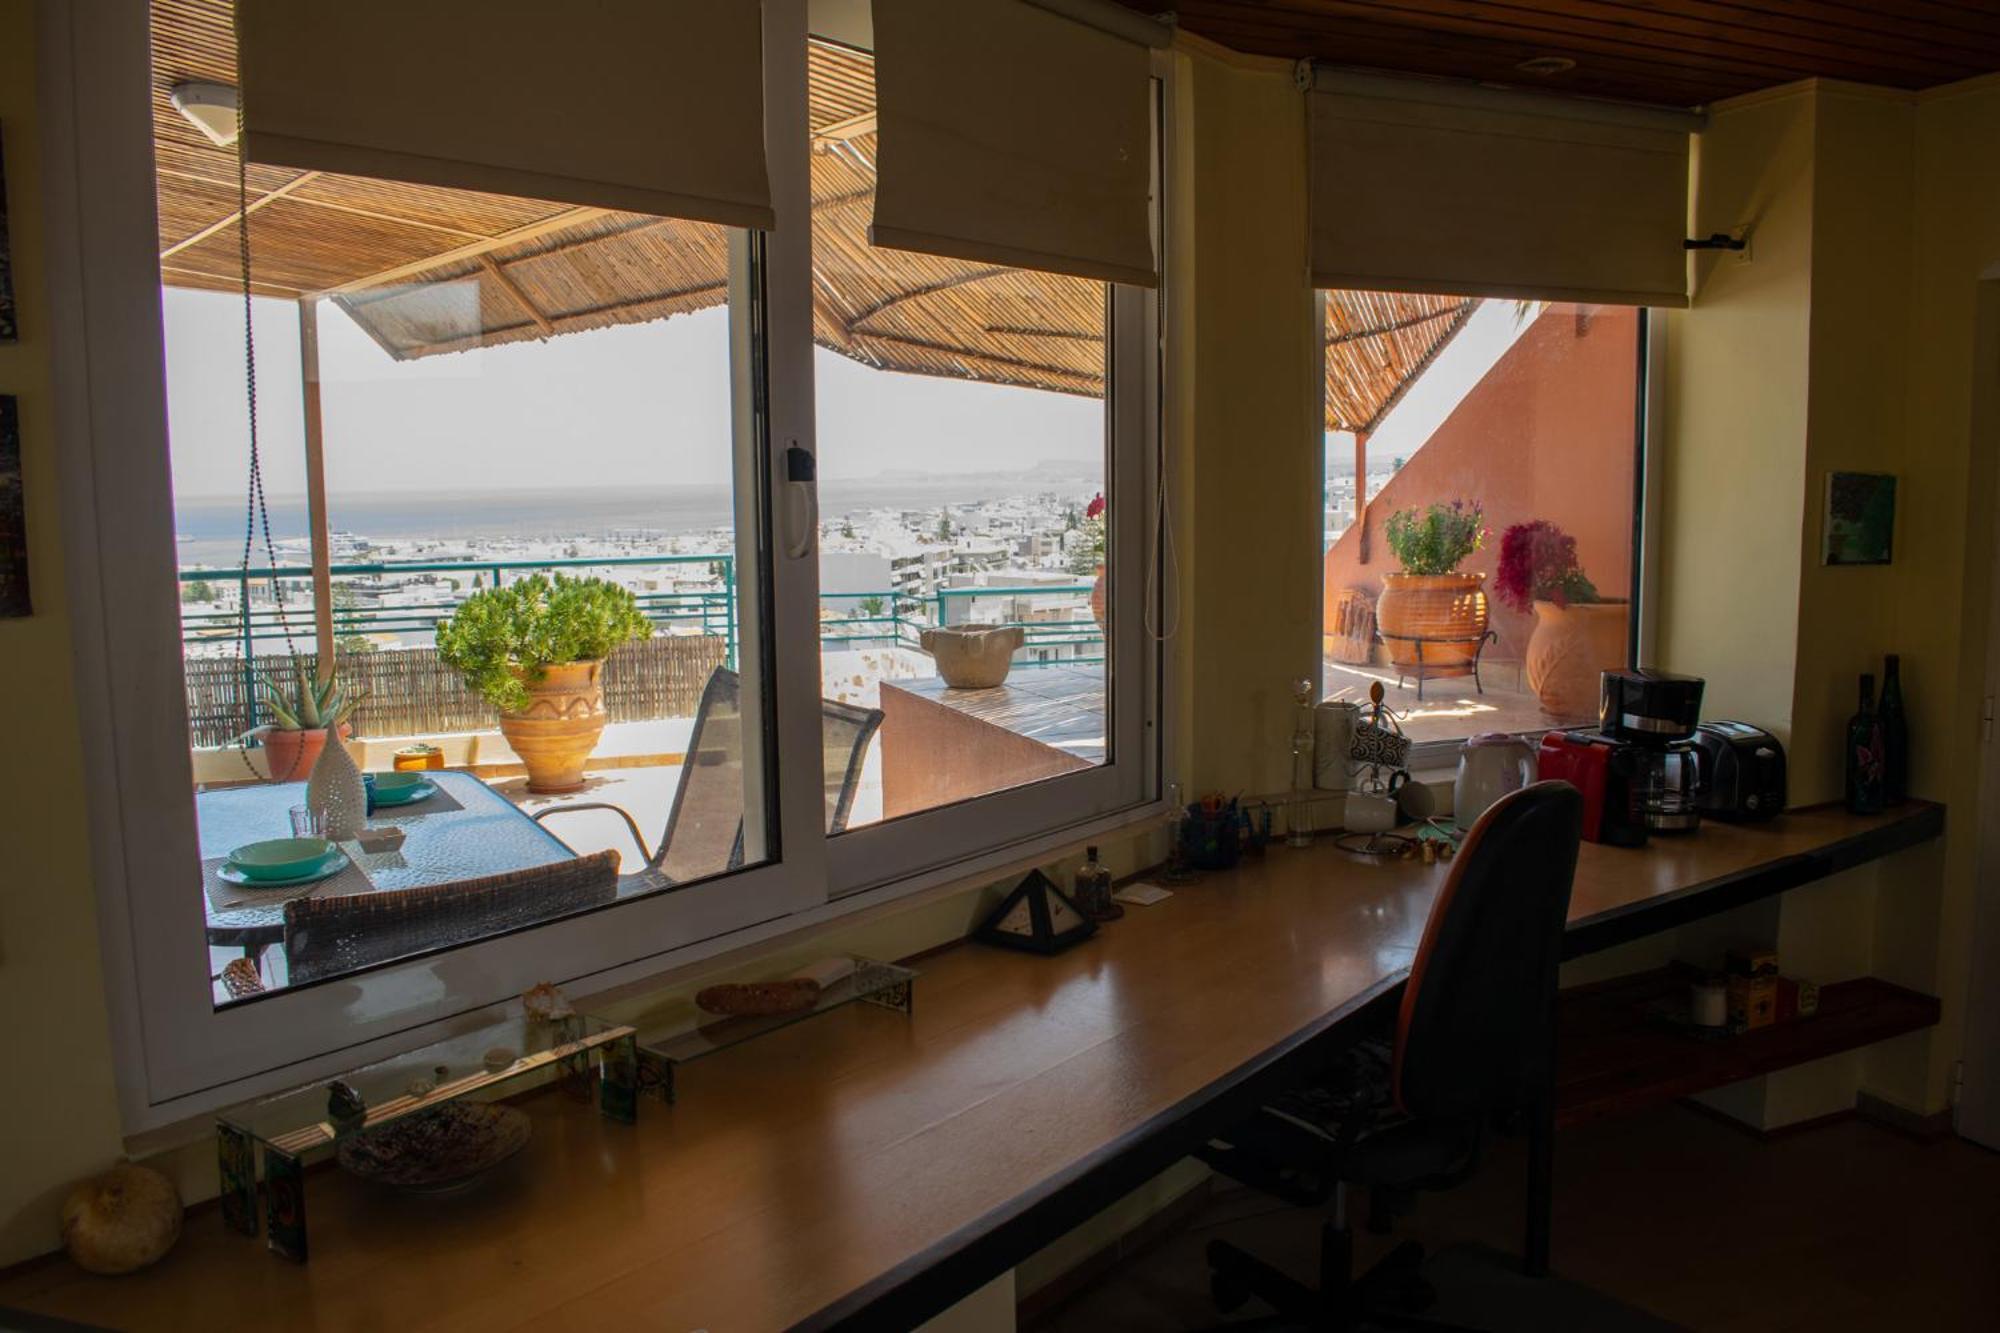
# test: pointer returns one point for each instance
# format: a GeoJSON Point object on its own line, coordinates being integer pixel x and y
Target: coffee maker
{"type": "Point", "coordinates": [1655, 713]}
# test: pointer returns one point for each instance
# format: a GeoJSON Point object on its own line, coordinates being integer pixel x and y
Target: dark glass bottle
{"type": "Point", "coordinates": [1864, 754]}
{"type": "Point", "coordinates": [1093, 890]}
{"type": "Point", "coordinates": [1895, 734]}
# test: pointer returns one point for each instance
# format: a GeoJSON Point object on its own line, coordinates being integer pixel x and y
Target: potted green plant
{"type": "Point", "coordinates": [535, 650]}
{"type": "Point", "coordinates": [303, 709]}
{"type": "Point", "coordinates": [1431, 615]}
{"type": "Point", "coordinates": [1577, 635]}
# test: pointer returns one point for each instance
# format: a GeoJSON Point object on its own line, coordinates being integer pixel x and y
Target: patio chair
{"type": "Point", "coordinates": [329, 936]}
{"type": "Point", "coordinates": [704, 832]}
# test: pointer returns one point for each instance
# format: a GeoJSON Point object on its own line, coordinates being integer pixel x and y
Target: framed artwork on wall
{"type": "Point", "coordinates": [9, 331]}
{"type": "Point", "coordinates": [13, 515]}
{"type": "Point", "coordinates": [1859, 527]}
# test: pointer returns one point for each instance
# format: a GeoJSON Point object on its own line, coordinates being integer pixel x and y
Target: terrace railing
{"type": "Point", "coordinates": [411, 692]}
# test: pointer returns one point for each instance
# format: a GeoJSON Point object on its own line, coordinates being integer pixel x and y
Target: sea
{"type": "Point", "coordinates": [210, 529]}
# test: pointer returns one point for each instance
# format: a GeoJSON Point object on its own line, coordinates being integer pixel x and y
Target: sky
{"type": "Point", "coordinates": [633, 405]}
{"type": "Point", "coordinates": [640, 404]}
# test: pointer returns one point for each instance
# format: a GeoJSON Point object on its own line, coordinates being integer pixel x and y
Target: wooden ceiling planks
{"type": "Point", "coordinates": [1675, 52]}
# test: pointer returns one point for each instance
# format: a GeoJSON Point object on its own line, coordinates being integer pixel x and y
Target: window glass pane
{"type": "Point", "coordinates": [1487, 448]}
{"type": "Point", "coordinates": [492, 432]}
{"type": "Point", "coordinates": [963, 492]}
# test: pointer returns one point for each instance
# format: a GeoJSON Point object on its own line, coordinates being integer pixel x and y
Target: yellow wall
{"type": "Point", "coordinates": [1249, 541]}
{"type": "Point", "coordinates": [58, 1101]}
{"type": "Point", "coordinates": [1945, 538]}
{"type": "Point", "coordinates": [1735, 419]}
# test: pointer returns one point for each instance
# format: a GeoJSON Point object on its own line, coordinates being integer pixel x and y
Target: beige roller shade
{"type": "Point", "coordinates": [1421, 187]}
{"type": "Point", "coordinates": [1016, 136]}
{"type": "Point", "coordinates": [648, 106]}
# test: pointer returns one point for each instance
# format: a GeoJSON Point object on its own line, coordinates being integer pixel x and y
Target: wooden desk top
{"type": "Point", "coordinates": [867, 1168]}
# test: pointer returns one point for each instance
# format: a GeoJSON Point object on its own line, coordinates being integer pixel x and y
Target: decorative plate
{"type": "Point", "coordinates": [331, 864]}
{"type": "Point", "coordinates": [434, 1151]}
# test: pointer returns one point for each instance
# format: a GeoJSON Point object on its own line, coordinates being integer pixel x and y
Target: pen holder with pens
{"type": "Point", "coordinates": [1211, 838]}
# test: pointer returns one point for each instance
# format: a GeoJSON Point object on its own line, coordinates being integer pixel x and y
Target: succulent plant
{"type": "Point", "coordinates": [306, 703]}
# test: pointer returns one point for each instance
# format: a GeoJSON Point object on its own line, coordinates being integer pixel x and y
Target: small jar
{"type": "Point", "coordinates": [1708, 1001]}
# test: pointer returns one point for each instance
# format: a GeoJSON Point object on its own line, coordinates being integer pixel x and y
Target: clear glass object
{"type": "Point", "coordinates": [307, 823]}
{"type": "Point", "coordinates": [1177, 871]}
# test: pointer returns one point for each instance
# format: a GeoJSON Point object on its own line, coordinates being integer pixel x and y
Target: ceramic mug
{"type": "Point", "coordinates": [1370, 812]}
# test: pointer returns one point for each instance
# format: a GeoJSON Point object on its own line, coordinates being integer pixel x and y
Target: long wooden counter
{"type": "Point", "coordinates": [866, 1169]}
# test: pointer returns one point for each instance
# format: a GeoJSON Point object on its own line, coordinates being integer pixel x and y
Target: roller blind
{"type": "Point", "coordinates": [649, 106]}
{"type": "Point", "coordinates": [1421, 187]}
{"type": "Point", "coordinates": [1013, 135]}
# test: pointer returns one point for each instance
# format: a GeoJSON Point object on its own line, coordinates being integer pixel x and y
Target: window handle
{"type": "Point", "coordinates": [802, 480]}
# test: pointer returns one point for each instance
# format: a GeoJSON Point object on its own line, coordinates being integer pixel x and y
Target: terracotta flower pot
{"type": "Point", "coordinates": [1448, 611]}
{"type": "Point", "coordinates": [556, 732]}
{"type": "Point", "coordinates": [1572, 646]}
{"type": "Point", "coordinates": [1097, 599]}
{"type": "Point", "coordinates": [973, 659]}
{"type": "Point", "coordinates": [289, 756]}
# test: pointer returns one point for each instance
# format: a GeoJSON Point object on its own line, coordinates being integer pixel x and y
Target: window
{"type": "Point", "coordinates": [1482, 470]}
{"type": "Point", "coordinates": [398, 405]}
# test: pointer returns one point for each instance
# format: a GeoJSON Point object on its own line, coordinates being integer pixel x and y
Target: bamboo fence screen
{"type": "Point", "coordinates": [411, 693]}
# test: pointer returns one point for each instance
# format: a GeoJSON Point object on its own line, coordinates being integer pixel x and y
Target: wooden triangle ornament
{"type": "Point", "coordinates": [1036, 917]}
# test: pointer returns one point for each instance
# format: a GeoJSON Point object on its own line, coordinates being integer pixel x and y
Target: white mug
{"type": "Point", "coordinates": [1370, 812]}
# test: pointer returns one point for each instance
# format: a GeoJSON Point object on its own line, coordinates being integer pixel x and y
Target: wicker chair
{"type": "Point", "coordinates": [329, 936]}
{"type": "Point", "coordinates": [704, 833]}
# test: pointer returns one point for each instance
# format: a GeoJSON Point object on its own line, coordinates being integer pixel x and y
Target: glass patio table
{"type": "Point", "coordinates": [466, 831]}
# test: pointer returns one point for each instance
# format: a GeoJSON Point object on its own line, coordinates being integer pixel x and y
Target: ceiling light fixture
{"type": "Point", "coordinates": [210, 108]}
{"type": "Point", "coordinates": [1546, 65]}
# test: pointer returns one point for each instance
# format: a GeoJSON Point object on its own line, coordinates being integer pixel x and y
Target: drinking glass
{"type": "Point", "coordinates": [307, 822]}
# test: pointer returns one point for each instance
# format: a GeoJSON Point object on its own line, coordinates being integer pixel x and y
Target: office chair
{"type": "Point", "coordinates": [1474, 1045]}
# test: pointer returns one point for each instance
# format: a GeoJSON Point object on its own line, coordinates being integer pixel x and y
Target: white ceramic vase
{"type": "Point", "coordinates": [335, 792]}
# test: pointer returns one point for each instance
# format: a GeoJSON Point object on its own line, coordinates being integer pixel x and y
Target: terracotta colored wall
{"type": "Point", "coordinates": [1548, 433]}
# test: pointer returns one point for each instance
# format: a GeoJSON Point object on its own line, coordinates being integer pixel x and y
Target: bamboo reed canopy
{"type": "Point", "coordinates": [1377, 344]}
{"type": "Point", "coordinates": [426, 270]}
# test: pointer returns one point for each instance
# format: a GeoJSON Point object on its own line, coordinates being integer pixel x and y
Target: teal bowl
{"type": "Point", "coordinates": [399, 788]}
{"type": "Point", "coordinates": [280, 858]}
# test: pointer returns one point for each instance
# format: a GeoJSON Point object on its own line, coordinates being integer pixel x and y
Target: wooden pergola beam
{"type": "Point", "coordinates": [507, 284]}
{"type": "Point", "coordinates": [230, 219]}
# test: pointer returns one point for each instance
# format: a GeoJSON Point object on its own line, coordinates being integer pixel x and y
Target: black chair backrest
{"type": "Point", "coordinates": [1476, 1032]}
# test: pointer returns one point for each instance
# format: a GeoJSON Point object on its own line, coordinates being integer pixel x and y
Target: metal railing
{"type": "Point", "coordinates": [882, 617]}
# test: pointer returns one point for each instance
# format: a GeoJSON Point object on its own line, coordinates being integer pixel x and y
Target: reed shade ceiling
{"type": "Point", "coordinates": [1681, 53]}
{"type": "Point", "coordinates": [426, 271]}
{"type": "Point", "coordinates": [1015, 136]}
{"type": "Point", "coordinates": [1377, 344]}
{"type": "Point", "coordinates": [1418, 186]}
{"type": "Point", "coordinates": [655, 106]}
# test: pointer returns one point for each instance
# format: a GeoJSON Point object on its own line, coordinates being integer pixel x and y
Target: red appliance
{"type": "Point", "coordinates": [1607, 771]}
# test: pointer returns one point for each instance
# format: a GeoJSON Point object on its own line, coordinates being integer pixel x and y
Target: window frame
{"type": "Point", "coordinates": [1647, 404]}
{"type": "Point", "coordinates": [177, 1054]}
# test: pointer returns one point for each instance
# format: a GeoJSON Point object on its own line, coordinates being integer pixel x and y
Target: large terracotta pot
{"type": "Point", "coordinates": [289, 756]}
{"type": "Point", "coordinates": [1448, 610]}
{"type": "Point", "coordinates": [1572, 646]}
{"type": "Point", "coordinates": [1097, 599]}
{"type": "Point", "coordinates": [556, 732]}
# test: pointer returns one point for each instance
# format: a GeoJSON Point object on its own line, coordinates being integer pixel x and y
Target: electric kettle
{"type": "Point", "coordinates": [1489, 766]}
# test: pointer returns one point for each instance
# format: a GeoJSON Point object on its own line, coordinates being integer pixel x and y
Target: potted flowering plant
{"type": "Point", "coordinates": [1086, 555]}
{"type": "Point", "coordinates": [1578, 634]}
{"type": "Point", "coordinates": [1433, 617]}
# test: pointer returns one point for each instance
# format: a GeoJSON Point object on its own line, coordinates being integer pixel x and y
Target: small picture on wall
{"type": "Point", "coordinates": [8, 330]}
{"type": "Point", "coordinates": [1860, 526]}
{"type": "Point", "coordinates": [13, 515]}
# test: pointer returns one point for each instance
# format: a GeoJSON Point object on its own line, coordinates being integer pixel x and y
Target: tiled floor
{"type": "Point", "coordinates": [1454, 708]}
{"type": "Point", "coordinates": [1847, 1226]}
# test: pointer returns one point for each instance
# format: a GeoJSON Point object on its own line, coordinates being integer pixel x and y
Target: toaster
{"type": "Point", "coordinates": [1608, 772]}
{"type": "Point", "coordinates": [1741, 771]}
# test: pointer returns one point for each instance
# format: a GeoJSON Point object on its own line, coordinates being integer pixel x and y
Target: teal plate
{"type": "Point", "coordinates": [410, 795]}
{"type": "Point", "coordinates": [331, 864]}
